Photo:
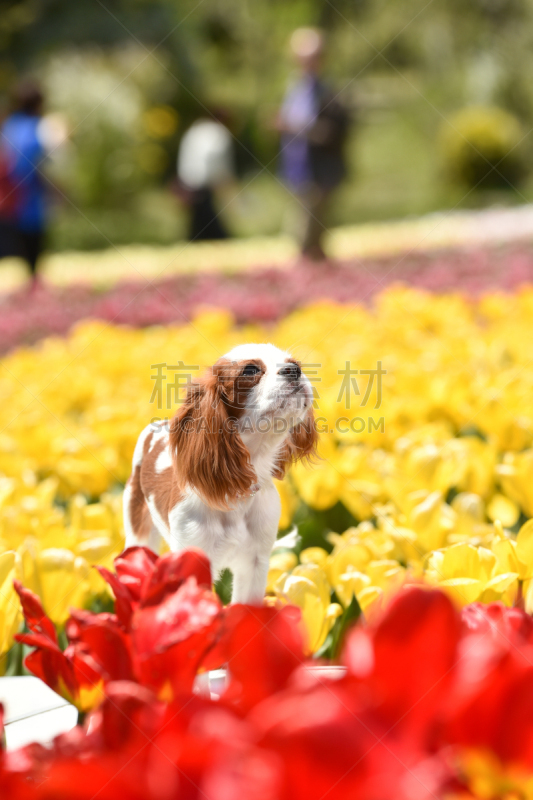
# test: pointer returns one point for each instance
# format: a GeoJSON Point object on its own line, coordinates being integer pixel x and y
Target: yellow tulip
{"type": "Point", "coordinates": [319, 487]}
{"type": "Point", "coordinates": [344, 557]}
{"type": "Point", "coordinates": [524, 548]}
{"type": "Point", "coordinates": [386, 574]}
{"type": "Point", "coordinates": [463, 590]}
{"type": "Point", "coordinates": [503, 509]}
{"type": "Point", "coordinates": [505, 550]}
{"type": "Point", "coordinates": [379, 543]}
{"type": "Point", "coordinates": [460, 570]}
{"type": "Point", "coordinates": [359, 497]}
{"type": "Point", "coordinates": [317, 575]}
{"type": "Point", "coordinates": [314, 555]}
{"type": "Point", "coordinates": [426, 520]}
{"type": "Point", "coordinates": [449, 362]}
{"type": "Point", "coordinates": [528, 595]}
{"type": "Point", "coordinates": [317, 617]}
{"type": "Point", "coordinates": [284, 561]}
{"type": "Point", "coordinates": [502, 587]}
{"type": "Point", "coordinates": [405, 540]}
{"type": "Point", "coordinates": [369, 597]}
{"type": "Point", "coordinates": [349, 584]}
{"type": "Point", "coordinates": [28, 562]}
{"type": "Point", "coordinates": [289, 502]}
{"type": "Point", "coordinates": [470, 514]}
{"type": "Point", "coordinates": [10, 613]}
{"type": "Point", "coordinates": [101, 551]}
{"type": "Point", "coordinates": [515, 475]}
{"type": "Point", "coordinates": [274, 576]}
{"type": "Point", "coordinates": [96, 517]}
{"type": "Point", "coordinates": [64, 582]}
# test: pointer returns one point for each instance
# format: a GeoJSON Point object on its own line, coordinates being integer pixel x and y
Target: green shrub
{"type": "Point", "coordinates": [480, 147]}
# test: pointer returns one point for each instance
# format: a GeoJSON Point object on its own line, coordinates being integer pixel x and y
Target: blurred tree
{"type": "Point", "coordinates": [116, 67]}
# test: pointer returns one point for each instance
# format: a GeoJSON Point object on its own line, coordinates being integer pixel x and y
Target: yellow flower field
{"type": "Point", "coordinates": [438, 476]}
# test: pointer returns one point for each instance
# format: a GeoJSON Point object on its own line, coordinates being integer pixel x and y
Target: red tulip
{"type": "Point", "coordinates": [261, 647]}
{"type": "Point", "coordinates": [15, 769]}
{"type": "Point", "coordinates": [47, 661]}
{"type": "Point", "coordinates": [102, 636]}
{"type": "Point", "coordinates": [134, 568]}
{"type": "Point", "coordinates": [143, 579]}
{"type": "Point", "coordinates": [98, 651]}
{"type": "Point", "coordinates": [510, 623]}
{"type": "Point", "coordinates": [425, 686]}
{"type": "Point", "coordinates": [170, 639]}
{"type": "Point", "coordinates": [112, 760]}
{"type": "Point", "coordinates": [333, 745]}
{"type": "Point", "coordinates": [166, 621]}
{"type": "Point", "coordinates": [129, 713]}
{"type": "Point", "coordinates": [407, 661]}
{"type": "Point", "coordinates": [491, 705]}
{"type": "Point", "coordinates": [138, 747]}
{"type": "Point", "coordinates": [172, 570]}
{"type": "Point", "coordinates": [371, 734]}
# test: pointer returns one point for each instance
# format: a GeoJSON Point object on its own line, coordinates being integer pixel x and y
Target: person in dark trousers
{"type": "Point", "coordinates": [205, 163]}
{"type": "Point", "coordinates": [313, 126]}
{"type": "Point", "coordinates": [23, 190]}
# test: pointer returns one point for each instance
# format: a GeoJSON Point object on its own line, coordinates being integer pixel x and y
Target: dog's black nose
{"type": "Point", "coordinates": [291, 371]}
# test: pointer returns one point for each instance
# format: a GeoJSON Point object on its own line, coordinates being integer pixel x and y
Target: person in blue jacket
{"type": "Point", "coordinates": [313, 124]}
{"type": "Point", "coordinates": [23, 190]}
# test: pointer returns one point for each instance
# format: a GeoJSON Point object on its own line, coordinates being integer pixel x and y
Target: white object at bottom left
{"type": "Point", "coordinates": [33, 712]}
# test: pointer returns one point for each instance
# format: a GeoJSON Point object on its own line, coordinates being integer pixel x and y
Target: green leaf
{"type": "Point", "coordinates": [348, 619]}
{"type": "Point", "coordinates": [223, 587]}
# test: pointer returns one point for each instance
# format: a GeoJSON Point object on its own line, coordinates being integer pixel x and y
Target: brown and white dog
{"type": "Point", "coordinates": [205, 480]}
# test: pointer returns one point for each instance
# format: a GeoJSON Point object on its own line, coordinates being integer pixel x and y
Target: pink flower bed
{"type": "Point", "coordinates": [263, 295]}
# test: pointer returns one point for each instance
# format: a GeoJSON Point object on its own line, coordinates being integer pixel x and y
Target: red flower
{"type": "Point", "coordinates": [134, 568]}
{"type": "Point", "coordinates": [332, 744]}
{"type": "Point", "coordinates": [166, 621]}
{"type": "Point", "coordinates": [73, 674]}
{"type": "Point", "coordinates": [171, 639]}
{"type": "Point", "coordinates": [102, 636]}
{"type": "Point", "coordinates": [129, 713]}
{"type": "Point", "coordinates": [424, 686]}
{"type": "Point", "coordinates": [371, 734]}
{"type": "Point", "coordinates": [137, 748]}
{"type": "Point", "coordinates": [261, 647]}
{"type": "Point", "coordinates": [491, 706]}
{"type": "Point", "coordinates": [144, 579]}
{"type": "Point", "coordinates": [172, 570]}
{"type": "Point", "coordinates": [112, 759]}
{"type": "Point", "coordinates": [407, 661]}
{"type": "Point", "coordinates": [510, 623]}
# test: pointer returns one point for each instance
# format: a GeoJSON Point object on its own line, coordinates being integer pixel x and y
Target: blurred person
{"type": "Point", "coordinates": [23, 192]}
{"type": "Point", "coordinates": [205, 163]}
{"type": "Point", "coordinates": [313, 126]}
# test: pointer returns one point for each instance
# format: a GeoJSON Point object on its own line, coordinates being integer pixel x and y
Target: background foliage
{"type": "Point", "coordinates": [130, 76]}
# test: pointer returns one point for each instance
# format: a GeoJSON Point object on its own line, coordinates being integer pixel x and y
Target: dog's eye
{"type": "Point", "coordinates": [250, 370]}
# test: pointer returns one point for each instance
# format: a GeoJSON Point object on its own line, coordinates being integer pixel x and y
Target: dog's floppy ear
{"type": "Point", "coordinates": [301, 443]}
{"type": "Point", "coordinates": [208, 453]}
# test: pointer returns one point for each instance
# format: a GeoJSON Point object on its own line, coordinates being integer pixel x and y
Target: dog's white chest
{"type": "Point", "coordinates": [225, 535]}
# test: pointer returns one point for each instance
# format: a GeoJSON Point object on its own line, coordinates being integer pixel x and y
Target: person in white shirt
{"type": "Point", "coordinates": [205, 163]}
